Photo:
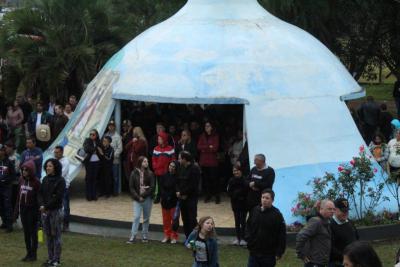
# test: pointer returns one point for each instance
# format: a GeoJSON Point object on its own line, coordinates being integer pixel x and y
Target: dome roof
{"type": "Point", "coordinates": [223, 51]}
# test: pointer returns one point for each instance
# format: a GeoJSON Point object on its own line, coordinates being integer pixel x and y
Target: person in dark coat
{"type": "Point", "coordinates": [93, 149]}
{"type": "Point", "coordinates": [343, 232]}
{"type": "Point", "coordinates": [261, 177]}
{"type": "Point", "coordinates": [369, 114]}
{"type": "Point", "coordinates": [106, 155]}
{"type": "Point", "coordinates": [51, 196]}
{"type": "Point", "coordinates": [169, 202]}
{"type": "Point", "coordinates": [186, 144]}
{"type": "Point", "coordinates": [237, 191]}
{"type": "Point", "coordinates": [208, 146]}
{"type": "Point", "coordinates": [385, 124]}
{"type": "Point", "coordinates": [28, 207]}
{"type": "Point", "coordinates": [265, 232]}
{"type": "Point", "coordinates": [7, 176]}
{"type": "Point", "coordinates": [58, 122]}
{"type": "Point", "coordinates": [187, 191]}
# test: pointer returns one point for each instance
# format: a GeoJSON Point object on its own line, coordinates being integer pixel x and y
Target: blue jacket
{"type": "Point", "coordinates": [212, 248]}
{"type": "Point", "coordinates": [30, 154]}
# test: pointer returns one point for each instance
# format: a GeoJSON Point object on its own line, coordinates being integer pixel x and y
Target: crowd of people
{"type": "Point", "coordinates": [201, 151]}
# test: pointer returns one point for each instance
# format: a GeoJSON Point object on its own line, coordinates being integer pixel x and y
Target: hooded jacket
{"type": "Point", "coordinates": [162, 156]}
{"type": "Point", "coordinates": [28, 189]}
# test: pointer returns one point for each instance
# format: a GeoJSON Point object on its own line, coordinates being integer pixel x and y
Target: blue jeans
{"type": "Point", "coordinates": [116, 182]}
{"type": "Point", "coordinates": [138, 208]}
{"type": "Point", "coordinates": [66, 206]}
{"type": "Point", "coordinates": [261, 261]}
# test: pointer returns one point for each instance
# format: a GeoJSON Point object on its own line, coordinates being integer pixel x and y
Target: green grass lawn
{"type": "Point", "coordinates": [93, 251]}
{"type": "Point", "coordinates": [381, 92]}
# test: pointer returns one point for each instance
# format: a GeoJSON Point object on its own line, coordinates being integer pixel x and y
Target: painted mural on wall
{"type": "Point", "coordinates": [92, 112]}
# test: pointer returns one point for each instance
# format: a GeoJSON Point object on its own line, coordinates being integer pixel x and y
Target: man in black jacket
{"type": "Point", "coordinates": [187, 191]}
{"type": "Point", "coordinates": [265, 233]}
{"type": "Point", "coordinates": [343, 232]}
{"type": "Point", "coordinates": [7, 175]}
{"type": "Point", "coordinates": [261, 177]}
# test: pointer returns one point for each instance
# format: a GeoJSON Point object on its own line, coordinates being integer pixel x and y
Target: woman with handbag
{"type": "Point", "coordinates": [92, 147]}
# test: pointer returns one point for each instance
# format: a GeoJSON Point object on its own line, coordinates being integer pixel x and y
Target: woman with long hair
{"type": "Point", "coordinates": [141, 185]}
{"type": "Point", "coordinates": [169, 201]}
{"type": "Point", "coordinates": [208, 146]}
{"type": "Point", "coordinates": [92, 147]}
{"type": "Point", "coordinates": [135, 148]}
{"type": "Point", "coordinates": [360, 254]}
{"type": "Point", "coordinates": [51, 195]}
{"type": "Point", "coordinates": [202, 241]}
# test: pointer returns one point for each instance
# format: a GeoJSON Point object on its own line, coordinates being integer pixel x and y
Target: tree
{"type": "Point", "coordinates": [56, 46]}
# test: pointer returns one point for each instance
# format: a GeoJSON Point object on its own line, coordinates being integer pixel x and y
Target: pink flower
{"type": "Point", "coordinates": [375, 170]}
{"type": "Point", "coordinates": [340, 168]}
{"type": "Point", "coordinates": [352, 162]}
{"type": "Point", "coordinates": [362, 148]}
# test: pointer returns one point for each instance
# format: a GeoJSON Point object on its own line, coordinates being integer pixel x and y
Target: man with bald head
{"type": "Point", "coordinates": [313, 242]}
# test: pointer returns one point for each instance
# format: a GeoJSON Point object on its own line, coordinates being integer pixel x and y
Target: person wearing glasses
{"type": "Point", "coordinates": [313, 242]}
{"type": "Point", "coordinates": [93, 149]}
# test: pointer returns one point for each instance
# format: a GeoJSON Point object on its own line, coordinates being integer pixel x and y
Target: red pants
{"type": "Point", "coordinates": [168, 216]}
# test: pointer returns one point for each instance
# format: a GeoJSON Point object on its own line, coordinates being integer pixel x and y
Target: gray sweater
{"type": "Point", "coordinates": [314, 241]}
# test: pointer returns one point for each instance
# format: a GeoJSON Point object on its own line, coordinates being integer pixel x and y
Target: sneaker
{"type": "Point", "coordinates": [243, 243]}
{"type": "Point", "coordinates": [236, 242]}
{"type": "Point", "coordinates": [145, 240]}
{"type": "Point", "coordinates": [131, 240]}
{"type": "Point", "coordinates": [165, 240]}
{"type": "Point", "coordinates": [55, 264]}
{"type": "Point", "coordinates": [173, 241]}
{"type": "Point", "coordinates": [46, 263]}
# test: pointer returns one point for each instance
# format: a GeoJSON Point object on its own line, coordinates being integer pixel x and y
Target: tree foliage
{"type": "Point", "coordinates": [362, 33]}
{"type": "Point", "coordinates": [55, 47]}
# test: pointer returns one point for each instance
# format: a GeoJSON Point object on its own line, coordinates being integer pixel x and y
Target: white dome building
{"type": "Point", "coordinates": [235, 52]}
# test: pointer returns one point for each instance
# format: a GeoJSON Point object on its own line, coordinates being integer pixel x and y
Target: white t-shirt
{"type": "Point", "coordinates": [394, 153]}
{"type": "Point", "coordinates": [38, 120]}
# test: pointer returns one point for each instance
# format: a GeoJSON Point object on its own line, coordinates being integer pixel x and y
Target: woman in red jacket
{"type": "Point", "coordinates": [208, 146]}
{"type": "Point", "coordinates": [163, 154]}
